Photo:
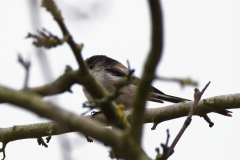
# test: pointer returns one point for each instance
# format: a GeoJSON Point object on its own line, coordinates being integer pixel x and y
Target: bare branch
{"type": "Point", "coordinates": [164, 113]}
{"type": "Point", "coordinates": [205, 106]}
{"type": "Point", "coordinates": [52, 8]}
{"type": "Point", "coordinates": [174, 111]}
{"type": "Point", "coordinates": [149, 69]}
{"type": "Point", "coordinates": [151, 115]}
{"type": "Point", "coordinates": [208, 120]}
{"type": "Point", "coordinates": [67, 119]}
{"type": "Point", "coordinates": [182, 81]}
{"type": "Point", "coordinates": [41, 142]}
{"type": "Point", "coordinates": [197, 97]}
{"type": "Point", "coordinates": [62, 84]}
{"type": "Point", "coordinates": [165, 148]}
{"type": "Point", "coordinates": [96, 90]}
{"type": "Point", "coordinates": [114, 138]}
{"type": "Point", "coordinates": [4, 144]}
{"type": "Point", "coordinates": [88, 139]}
{"type": "Point", "coordinates": [46, 39]}
{"type": "Point", "coordinates": [48, 138]}
{"type": "Point", "coordinates": [26, 65]}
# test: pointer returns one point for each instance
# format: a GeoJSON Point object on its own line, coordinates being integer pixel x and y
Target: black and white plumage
{"type": "Point", "coordinates": [107, 71]}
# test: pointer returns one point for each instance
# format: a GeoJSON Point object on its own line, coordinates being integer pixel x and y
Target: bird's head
{"type": "Point", "coordinates": [103, 64]}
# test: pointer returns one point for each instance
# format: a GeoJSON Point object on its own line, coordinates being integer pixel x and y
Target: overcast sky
{"type": "Point", "coordinates": [201, 41]}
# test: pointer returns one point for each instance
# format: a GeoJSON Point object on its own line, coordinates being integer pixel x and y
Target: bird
{"type": "Point", "coordinates": [108, 71]}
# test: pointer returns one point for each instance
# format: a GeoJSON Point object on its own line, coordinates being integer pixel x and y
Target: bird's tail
{"type": "Point", "coordinates": [164, 97]}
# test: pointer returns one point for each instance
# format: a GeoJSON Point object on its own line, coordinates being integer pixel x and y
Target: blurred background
{"type": "Point", "coordinates": [201, 41]}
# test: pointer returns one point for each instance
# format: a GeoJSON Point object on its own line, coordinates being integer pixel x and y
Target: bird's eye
{"type": "Point", "coordinates": [91, 66]}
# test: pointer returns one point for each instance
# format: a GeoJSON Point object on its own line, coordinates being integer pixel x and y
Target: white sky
{"type": "Point", "coordinates": [202, 41]}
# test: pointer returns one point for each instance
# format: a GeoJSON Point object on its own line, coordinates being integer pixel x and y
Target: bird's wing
{"type": "Point", "coordinates": [156, 95]}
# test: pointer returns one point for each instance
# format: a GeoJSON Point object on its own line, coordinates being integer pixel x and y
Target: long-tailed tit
{"type": "Point", "coordinates": [108, 71]}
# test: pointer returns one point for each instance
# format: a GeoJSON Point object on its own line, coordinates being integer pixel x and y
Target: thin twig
{"type": "Point", "coordinates": [4, 144]}
{"type": "Point", "coordinates": [60, 85]}
{"type": "Point", "coordinates": [26, 64]}
{"type": "Point", "coordinates": [182, 81]}
{"type": "Point", "coordinates": [88, 138]}
{"type": "Point", "coordinates": [40, 141]}
{"type": "Point", "coordinates": [208, 120]}
{"type": "Point", "coordinates": [197, 97]}
{"type": "Point", "coordinates": [165, 148]}
{"type": "Point", "coordinates": [51, 7]}
{"type": "Point", "coordinates": [168, 137]}
{"type": "Point", "coordinates": [131, 71]}
{"type": "Point", "coordinates": [48, 138]}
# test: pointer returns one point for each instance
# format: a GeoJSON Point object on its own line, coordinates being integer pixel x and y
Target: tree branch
{"type": "Point", "coordinates": [26, 65]}
{"type": "Point", "coordinates": [96, 90]}
{"type": "Point", "coordinates": [197, 97]}
{"type": "Point", "coordinates": [52, 8]}
{"type": "Point", "coordinates": [152, 115]}
{"type": "Point", "coordinates": [62, 84]}
{"type": "Point", "coordinates": [149, 69]}
{"type": "Point", "coordinates": [76, 123]}
{"type": "Point", "coordinates": [182, 81]}
{"type": "Point", "coordinates": [114, 138]}
{"type": "Point", "coordinates": [205, 106]}
{"type": "Point", "coordinates": [19, 132]}
{"type": "Point", "coordinates": [67, 119]}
